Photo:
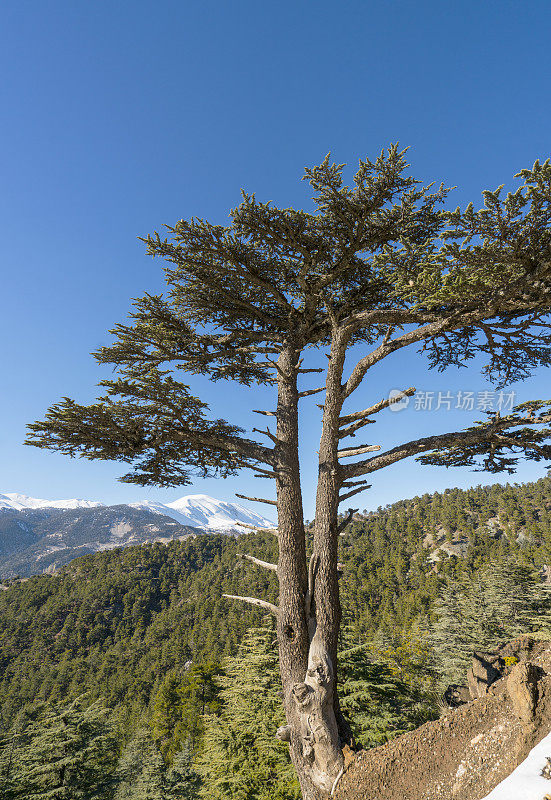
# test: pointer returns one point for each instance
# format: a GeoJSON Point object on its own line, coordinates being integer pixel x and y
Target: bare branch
{"type": "Point", "coordinates": [358, 451]}
{"type": "Point", "coordinates": [258, 562]}
{"type": "Point", "coordinates": [265, 413]}
{"type": "Point", "coordinates": [377, 407]}
{"type": "Point", "coordinates": [358, 489]}
{"type": "Point", "coordinates": [266, 433]}
{"type": "Point", "coordinates": [317, 369]}
{"type": "Point", "coordinates": [347, 484]}
{"type": "Point", "coordinates": [311, 391]}
{"type": "Point", "coordinates": [351, 430]}
{"type": "Point", "coordinates": [254, 601]}
{"type": "Point", "coordinates": [347, 519]}
{"type": "Point", "coordinates": [256, 499]}
{"type": "Point", "coordinates": [250, 527]}
{"type": "Point", "coordinates": [266, 473]}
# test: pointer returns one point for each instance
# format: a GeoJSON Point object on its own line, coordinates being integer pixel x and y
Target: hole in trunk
{"type": "Point", "coordinates": [289, 632]}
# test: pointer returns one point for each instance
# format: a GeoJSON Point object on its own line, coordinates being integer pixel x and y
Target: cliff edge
{"type": "Point", "coordinates": [471, 748]}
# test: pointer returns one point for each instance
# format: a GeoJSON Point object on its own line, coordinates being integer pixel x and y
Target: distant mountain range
{"type": "Point", "coordinates": [38, 536]}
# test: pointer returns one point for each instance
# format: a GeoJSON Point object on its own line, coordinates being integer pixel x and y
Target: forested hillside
{"type": "Point", "coordinates": [145, 630]}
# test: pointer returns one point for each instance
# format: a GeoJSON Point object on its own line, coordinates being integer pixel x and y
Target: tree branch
{"type": "Point", "coordinates": [358, 451]}
{"type": "Point", "coordinates": [254, 601]}
{"type": "Point", "coordinates": [480, 435]}
{"type": "Point", "coordinates": [266, 433]}
{"type": "Point", "coordinates": [358, 489]}
{"type": "Point", "coordinates": [351, 429]}
{"type": "Point", "coordinates": [350, 516]}
{"type": "Point", "coordinates": [432, 329]}
{"type": "Point", "coordinates": [256, 499]}
{"type": "Point", "coordinates": [368, 412]}
{"type": "Point", "coordinates": [258, 562]}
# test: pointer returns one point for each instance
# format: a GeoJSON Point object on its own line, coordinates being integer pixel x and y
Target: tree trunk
{"type": "Point", "coordinates": [309, 609]}
{"type": "Point", "coordinates": [292, 631]}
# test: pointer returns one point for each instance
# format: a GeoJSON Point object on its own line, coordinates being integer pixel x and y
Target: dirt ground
{"type": "Point", "coordinates": [466, 753]}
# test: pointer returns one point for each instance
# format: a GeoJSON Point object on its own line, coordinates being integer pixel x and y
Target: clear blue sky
{"type": "Point", "coordinates": [118, 117]}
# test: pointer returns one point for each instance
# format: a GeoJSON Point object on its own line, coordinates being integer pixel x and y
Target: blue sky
{"type": "Point", "coordinates": [119, 117]}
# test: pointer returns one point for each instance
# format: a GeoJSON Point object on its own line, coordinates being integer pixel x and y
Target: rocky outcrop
{"type": "Point", "coordinates": [468, 751]}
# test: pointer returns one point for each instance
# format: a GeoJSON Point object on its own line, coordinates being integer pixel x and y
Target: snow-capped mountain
{"type": "Point", "coordinates": [39, 536]}
{"type": "Point", "coordinates": [194, 510]}
{"type": "Point", "coordinates": [18, 502]}
{"type": "Point", "coordinates": [202, 511]}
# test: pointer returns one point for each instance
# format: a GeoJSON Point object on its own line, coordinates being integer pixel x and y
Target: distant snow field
{"type": "Point", "coordinates": [526, 781]}
{"type": "Point", "coordinates": [195, 510]}
{"type": "Point", "coordinates": [20, 502]}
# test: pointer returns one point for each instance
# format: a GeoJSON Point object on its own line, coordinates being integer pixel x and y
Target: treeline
{"type": "Point", "coordinates": [178, 688]}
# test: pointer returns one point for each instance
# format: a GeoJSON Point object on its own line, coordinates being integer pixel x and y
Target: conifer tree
{"type": "Point", "coordinates": [66, 753]}
{"type": "Point", "coordinates": [377, 264]}
{"type": "Point", "coordinates": [141, 770]}
{"type": "Point", "coordinates": [182, 782]}
{"type": "Point", "coordinates": [240, 758]}
{"type": "Point", "coordinates": [380, 705]}
{"type": "Point", "coordinates": [480, 611]}
{"type": "Point", "coordinates": [179, 706]}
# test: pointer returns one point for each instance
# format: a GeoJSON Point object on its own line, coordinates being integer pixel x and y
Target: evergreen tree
{"type": "Point", "coordinates": [241, 758]}
{"type": "Point", "coordinates": [179, 707]}
{"type": "Point", "coordinates": [380, 705]}
{"type": "Point", "coordinates": [141, 770]}
{"type": "Point", "coordinates": [378, 264]}
{"type": "Point", "coordinates": [64, 753]}
{"type": "Point", "coordinates": [182, 781]}
{"type": "Point", "coordinates": [499, 602]}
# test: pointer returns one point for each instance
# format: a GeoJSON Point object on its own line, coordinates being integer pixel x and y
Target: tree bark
{"type": "Point", "coordinates": [292, 571]}
{"type": "Point", "coordinates": [309, 607]}
{"type": "Point", "coordinates": [326, 536]}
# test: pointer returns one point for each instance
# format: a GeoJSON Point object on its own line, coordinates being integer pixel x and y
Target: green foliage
{"type": "Point", "coordinates": [140, 773]}
{"type": "Point", "coordinates": [376, 253]}
{"type": "Point", "coordinates": [180, 705]}
{"type": "Point", "coordinates": [65, 753]}
{"type": "Point", "coordinates": [500, 601]}
{"type": "Point", "coordinates": [118, 622]}
{"type": "Point", "coordinates": [384, 692]}
{"type": "Point", "coordinates": [125, 624]}
{"type": "Point", "coordinates": [181, 780]}
{"type": "Point", "coordinates": [378, 705]}
{"type": "Point", "coordinates": [241, 757]}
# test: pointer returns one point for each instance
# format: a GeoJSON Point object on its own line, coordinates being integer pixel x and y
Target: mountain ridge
{"type": "Point", "coordinates": [194, 510]}
{"type": "Point", "coordinates": [41, 536]}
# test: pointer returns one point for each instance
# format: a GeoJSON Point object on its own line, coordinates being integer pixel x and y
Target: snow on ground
{"type": "Point", "coordinates": [526, 781]}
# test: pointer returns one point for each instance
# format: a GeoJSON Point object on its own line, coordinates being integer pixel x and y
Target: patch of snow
{"type": "Point", "coordinates": [193, 510]}
{"type": "Point", "coordinates": [526, 781]}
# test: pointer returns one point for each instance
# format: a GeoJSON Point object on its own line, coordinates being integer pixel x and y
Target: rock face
{"type": "Point", "coordinates": [466, 753]}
